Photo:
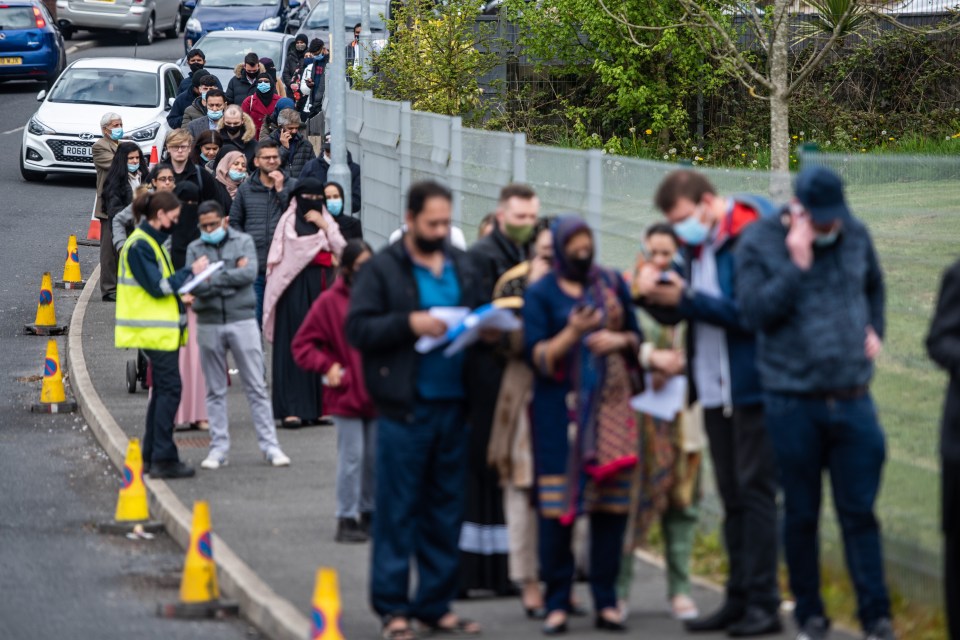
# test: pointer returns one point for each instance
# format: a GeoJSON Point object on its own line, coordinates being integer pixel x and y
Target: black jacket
{"type": "Point", "coordinates": [256, 210]}
{"type": "Point", "coordinates": [492, 256]}
{"type": "Point", "coordinates": [186, 230]}
{"type": "Point", "coordinates": [116, 199]}
{"type": "Point", "coordinates": [811, 325]}
{"type": "Point", "coordinates": [294, 159]}
{"type": "Point", "coordinates": [943, 345]}
{"type": "Point", "coordinates": [318, 168]}
{"type": "Point", "coordinates": [350, 227]}
{"type": "Point", "coordinates": [378, 325]}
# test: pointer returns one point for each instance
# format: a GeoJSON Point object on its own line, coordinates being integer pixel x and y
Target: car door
{"type": "Point", "coordinates": [171, 80]}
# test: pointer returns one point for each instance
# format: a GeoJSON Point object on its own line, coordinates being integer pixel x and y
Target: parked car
{"type": "Point", "coordinates": [225, 50]}
{"type": "Point", "coordinates": [317, 24]}
{"type": "Point", "coordinates": [31, 46]}
{"type": "Point", "coordinates": [280, 16]}
{"type": "Point", "coordinates": [60, 135]}
{"type": "Point", "coordinates": [142, 17]}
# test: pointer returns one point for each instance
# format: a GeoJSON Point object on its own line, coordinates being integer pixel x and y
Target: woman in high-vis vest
{"type": "Point", "coordinates": [150, 316]}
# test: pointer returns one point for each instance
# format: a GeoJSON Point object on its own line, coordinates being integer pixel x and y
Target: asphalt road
{"type": "Point", "coordinates": [58, 576]}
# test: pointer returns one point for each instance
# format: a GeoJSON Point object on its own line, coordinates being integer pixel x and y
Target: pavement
{"type": "Point", "coordinates": [279, 524]}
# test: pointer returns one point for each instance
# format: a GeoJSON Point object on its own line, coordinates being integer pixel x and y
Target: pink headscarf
{"type": "Point", "coordinates": [223, 169]}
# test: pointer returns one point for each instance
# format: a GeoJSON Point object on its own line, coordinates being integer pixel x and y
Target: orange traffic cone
{"type": "Point", "coordinates": [325, 618]}
{"type": "Point", "coordinates": [199, 592]}
{"type": "Point", "coordinates": [154, 156]}
{"type": "Point", "coordinates": [53, 397]}
{"type": "Point", "coordinates": [93, 231]}
{"type": "Point", "coordinates": [133, 512]}
{"type": "Point", "coordinates": [45, 323]}
{"type": "Point", "coordinates": [71, 268]}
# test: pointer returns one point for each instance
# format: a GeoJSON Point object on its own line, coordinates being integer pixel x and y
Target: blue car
{"type": "Point", "coordinates": [31, 46]}
{"type": "Point", "coordinates": [282, 16]}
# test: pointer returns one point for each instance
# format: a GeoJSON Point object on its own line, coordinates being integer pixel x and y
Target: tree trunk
{"type": "Point", "coordinates": [779, 102]}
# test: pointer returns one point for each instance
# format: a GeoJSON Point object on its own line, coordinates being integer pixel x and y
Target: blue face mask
{"type": "Point", "coordinates": [215, 115]}
{"type": "Point", "coordinates": [826, 239]}
{"type": "Point", "coordinates": [213, 237]}
{"type": "Point", "coordinates": [117, 133]}
{"type": "Point", "coordinates": [237, 175]}
{"type": "Point", "coordinates": [205, 158]}
{"type": "Point", "coordinates": [203, 95]}
{"type": "Point", "coordinates": [263, 87]}
{"type": "Point", "coordinates": [335, 207]}
{"type": "Point", "coordinates": [691, 231]}
{"type": "Point", "coordinates": [132, 168]}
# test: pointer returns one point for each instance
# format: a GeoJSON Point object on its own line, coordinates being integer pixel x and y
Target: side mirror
{"type": "Point", "coordinates": [170, 102]}
{"type": "Point", "coordinates": [41, 95]}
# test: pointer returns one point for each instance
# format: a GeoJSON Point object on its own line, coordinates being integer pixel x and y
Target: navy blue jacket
{"type": "Point", "coordinates": [811, 325]}
{"type": "Point", "coordinates": [146, 271]}
{"type": "Point", "coordinates": [184, 100]}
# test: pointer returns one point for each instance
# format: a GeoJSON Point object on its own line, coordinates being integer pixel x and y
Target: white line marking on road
{"type": "Point", "coordinates": [6, 133]}
{"type": "Point", "coordinates": [72, 49]}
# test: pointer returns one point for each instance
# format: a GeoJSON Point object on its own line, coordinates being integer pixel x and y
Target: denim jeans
{"type": "Point", "coordinates": [810, 433]}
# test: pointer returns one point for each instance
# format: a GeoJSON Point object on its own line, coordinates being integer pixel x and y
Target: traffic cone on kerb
{"type": "Point", "coordinates": [133, 513]}
{"type": "Point", "coordinates": [53, 397]}
{"type": "Point", "coordinates": [93, 231]}
{"type": "Point", "coordinates": [326, 611]}
{"type": "Point", "coordinates": [154, 156]}
{"type": "Point", "coordinates": [45, 323]}
{"type": "Point", "coordinates": [71, 268]}
{"type": "Point", "coordinates": [199, 591]}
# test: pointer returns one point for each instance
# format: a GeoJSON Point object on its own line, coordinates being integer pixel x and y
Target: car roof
{"type": "Point", "coordinates": [132, 64]}
{"type": "Point", "coordinates": [246, 35]}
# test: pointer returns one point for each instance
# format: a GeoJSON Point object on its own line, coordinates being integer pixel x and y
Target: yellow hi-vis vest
{"type": "Point", "coordinates": [145, 322]}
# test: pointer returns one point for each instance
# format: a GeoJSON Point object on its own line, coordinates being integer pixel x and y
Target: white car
{"type": "Point", "coordinates": [59, 137]}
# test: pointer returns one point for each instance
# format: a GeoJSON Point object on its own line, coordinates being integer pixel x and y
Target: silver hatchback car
{"type": "Point", "coordinates": [142, 17]}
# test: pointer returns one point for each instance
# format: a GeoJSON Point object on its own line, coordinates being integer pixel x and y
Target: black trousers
{"type": "Point", "coordinates": [950, 510]}
{"type": "Point", "coordinates": [158, 445]}
{"type": "Point", "coordinates": [743, 462]}
{"type": "Point", "coordinates": [108, 259]}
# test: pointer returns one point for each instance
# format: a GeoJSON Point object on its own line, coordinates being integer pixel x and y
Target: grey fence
{"type": "Point", "coordinates": [912, 206]}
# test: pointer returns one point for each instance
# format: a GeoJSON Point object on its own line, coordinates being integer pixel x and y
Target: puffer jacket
{"type": "Point", "coordinates": [256, 210]}
{"type": "Point", "coordinates": [226, 296]}
{"type": "Point", "coordinates": [195, 111]}
{"type": "Point", "coordinates": [294, 159]}
{"type": "Point", "coordinates": [239, 87]}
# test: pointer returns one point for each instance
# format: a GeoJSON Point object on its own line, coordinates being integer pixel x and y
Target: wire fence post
{"type": "Point", "coordinates": [406, 137]}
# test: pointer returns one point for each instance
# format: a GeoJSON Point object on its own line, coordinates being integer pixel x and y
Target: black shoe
{"type": "Point", "coordinates": [755, 622]}
{"type": "Point", "coordinates": [171, 470]}
{"type": "Point", "coordinates": [366, 522]}
{"type": "Point", "coordinates": [554, 630]}
{"type": "Point", "coordinates": [815, 628]}
{"type": "Point", "coordinates": [109, 297]}
{"type": "Point", "coordinates": [146, 468]}
{"type": "Point", "coordinates": [348, 530]}
{"type": "Point", "coordinates": [603, 624]}
{"type": "Point", "coordinates": [727, 615]}
{"type": "Point", "coordinates": [536, 613]}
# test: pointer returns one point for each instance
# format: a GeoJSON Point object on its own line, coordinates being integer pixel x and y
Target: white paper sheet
{"type": "Point", "coordinates": [664, 404]}
{"type": "Point", "coordinates": [192, 283]}
{"type": "Point", "coordinates": [451, 316]}
{"type": "Point", "coordinates": [486, 317]}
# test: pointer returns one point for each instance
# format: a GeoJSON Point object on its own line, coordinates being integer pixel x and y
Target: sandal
{"type": "Point", "coordinates": [462, 627]}
{"type": "Point", "coordinates": [405, 632]}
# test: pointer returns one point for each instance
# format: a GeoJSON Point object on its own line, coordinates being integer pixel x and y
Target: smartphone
{"type": "Point", "coordinates": [664, 279]}
{"type": "Point", "coordinates": [583, 306]}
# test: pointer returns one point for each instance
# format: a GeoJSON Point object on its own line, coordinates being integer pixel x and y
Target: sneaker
{"type": "Point", "coordinates": [815, 628]}
{"type": "Point", "coordinates": [277, 458]}
{"type": "Point", "coordinates": [214, 461]}
{"type": "Point", "coordinates": [171, 470]}
{"type": "Point", "coordinates": [348, 530]}
{"type": "Point", "coordinates": [882, 629]}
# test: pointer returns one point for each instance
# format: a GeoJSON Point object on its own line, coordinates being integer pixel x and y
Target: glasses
{"type": "Point", "coordinates": [164, 179]}
{"type": "Point", "coordinates": [182, 147]}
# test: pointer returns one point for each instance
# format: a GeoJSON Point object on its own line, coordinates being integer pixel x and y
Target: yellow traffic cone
{"type": "Point", "coordinates": [53, 397]}
{"type": "Point", "coordinates": [199, 592]}
{"type": "Point", "coordinates": [325, 618]}
{"type": "Point", "coordinates": [46, 321]}
{"type": "Point", "coordinates": [71, 268]}
{"type": "Point", "coordinates": [133, 513]}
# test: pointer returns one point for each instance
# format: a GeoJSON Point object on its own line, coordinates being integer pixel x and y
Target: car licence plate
{"type": "Point", "coordinates": [11, 61]}
{"type": "Point", "coordinates": [83, 152]}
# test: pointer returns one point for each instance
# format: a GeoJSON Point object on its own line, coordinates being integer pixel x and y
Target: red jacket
{"type": "Point", "coordinates": [321, 342]}
{"type": "Point", "coordinates": [258, 112]}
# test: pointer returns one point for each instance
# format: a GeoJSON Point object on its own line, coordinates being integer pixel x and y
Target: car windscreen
{"type": "Point", "coordinates": [118, 87]}
{"type": "Point", "coordinates": [320, 16]}
{"type": "Point", "coordinates": [14, 18]}
{"type": "Point", "coordinates": [238, 3]}
{"type": "Point", "coordinates": [227, 53]}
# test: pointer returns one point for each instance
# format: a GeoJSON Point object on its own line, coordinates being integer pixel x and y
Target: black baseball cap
{"type": "Point", "coordinates": [820, 191]}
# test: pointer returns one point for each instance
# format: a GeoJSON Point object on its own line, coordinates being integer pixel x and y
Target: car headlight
{"type": "Point", "coordinates": [37, 128]}
{"type": "Point", "coordinates": [194, 25]}
{"type": "Point", "coordinates": [269, 24]}
{"type": "Point", "coordinates": [146, 133]}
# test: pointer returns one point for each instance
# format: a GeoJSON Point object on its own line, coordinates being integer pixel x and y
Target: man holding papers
{"type": "Point", "coordinates": [422, 433]}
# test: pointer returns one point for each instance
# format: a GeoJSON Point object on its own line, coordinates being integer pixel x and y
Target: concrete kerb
{"type": "Point", "coordinates": [274, 616]}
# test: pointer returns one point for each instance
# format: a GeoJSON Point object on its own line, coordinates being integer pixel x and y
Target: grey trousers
{"type": "Point", "coordinates": [243, 340]}
{"type": "Point", "coordinates": [356, 470]}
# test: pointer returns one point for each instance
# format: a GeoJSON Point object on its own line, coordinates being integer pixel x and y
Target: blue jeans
{"type": "Point", "coordinates": [259, 286]}
{"type": "Point", "coordinates": [419, 511]}
{"type": "Point", "coordinates": [810, 433]}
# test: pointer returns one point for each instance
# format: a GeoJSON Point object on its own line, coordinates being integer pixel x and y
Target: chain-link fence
{"type": "Point", "coordinates": [911, 204]}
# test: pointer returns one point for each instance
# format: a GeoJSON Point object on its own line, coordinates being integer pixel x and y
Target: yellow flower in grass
{"type": "Point", "coordinates": [649, 132]}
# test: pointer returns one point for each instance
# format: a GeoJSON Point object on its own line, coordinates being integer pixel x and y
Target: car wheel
{"type": "Point", "coordinates": [28, 175]}
{"type": "Point", "coordinates": [145, 37]}
{"type": "Point", "coordinates": [174, 32]}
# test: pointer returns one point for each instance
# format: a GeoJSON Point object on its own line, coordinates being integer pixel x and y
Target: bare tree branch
{"type": "Point", "coordinates": [953, 26]}
{"type": "Point", "coordinates": [835, 36]}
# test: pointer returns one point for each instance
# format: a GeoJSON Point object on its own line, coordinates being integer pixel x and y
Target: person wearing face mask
{"type": "Point", "coordinates": [810, 284]}
{"type": "Point", "coordinates": [150, 316]}
{"type": "Point", "coordinates": [295, 53]}
{"type": "Point", "coordinates": [321, 347]}
{"type": "Point", "coordinates": [195, 61]}
{"type": "Point", "coordinates": [314, 79]}
{"type": "Point", "coordinates": [420, 401]}
{"type": "Point", "coordinates": [225, 307]}
{"type": "Point", "coordinates": [104, 150]}
{"type": "Point", "coordinates": [160, 179]}
{"type": "Point", "coordinates": [483, 542]}
{"type": "Point", "coordinates": [295, 150]}
{"type": "Point", "coordinates": [301, 265]}
{"type": "Point", "coordinates": [320, 166]}
{"type": "Point", "coordinates": [202, 186]}
{"type": "Point", "coordinates": [238, 132]}
{"type": "Point", "coordinates": [262, 103]}
{"type": "Point", "coordinates": [581, 338]}
{"type": "Point", "coordinates": [270, 125]}
{"type": "Point", "coordinates": [350, 227]}
{"type": "Point", "coordinates": [126, 172]}
{"type": "Point", "coordinates": [231, 172]}
{"type": "Point", "coordinates": [206, 113]}
{"type": "Point", "coordinates": [201, 83]}
{"type": "Point", "coordinates": [722, 376]}
{"type": "Point", "coordinates": [244, 80]}
{"type": "Point", "coordinates": [206, 148]}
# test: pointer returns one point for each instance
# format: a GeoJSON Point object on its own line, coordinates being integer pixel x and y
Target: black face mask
{"type": "Point", "coordinates": [429, 246]}
{"type": "Point", "coordinates": [232, 130]}
{"type": "Point", "coordinates": [304, 206]}
{"type": "Point", "coordinates": [578, 268]}
{"type": "Point", "coordinates": [196, 66]}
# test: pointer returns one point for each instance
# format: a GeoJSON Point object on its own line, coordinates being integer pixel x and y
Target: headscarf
{"type": "Point", "coordinates": [301, 37]}
{"type": "Point", "coordinates": [283, 103]}
{"type": "Point", "coordinates": [266, 98]}
{"type": "Point", "coordinates": [223, 170]}
{"type": "Point", "coordinates": [563, 229]}
{"type": "Point", "coordinates": [310, 186]}
{"type": "Point", "coordinates": [271, 68]}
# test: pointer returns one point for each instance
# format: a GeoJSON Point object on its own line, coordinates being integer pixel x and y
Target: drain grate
{"type": "Point", "coordinates": [193, 442]}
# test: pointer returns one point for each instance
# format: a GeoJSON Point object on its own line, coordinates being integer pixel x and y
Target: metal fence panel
{"type": "Point", "coordinates": [380, 169]}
